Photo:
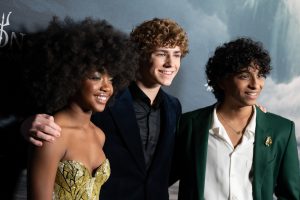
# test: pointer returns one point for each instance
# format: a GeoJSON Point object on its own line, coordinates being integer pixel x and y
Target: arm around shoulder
{"type": "Point", "coordinates": [39, 128]}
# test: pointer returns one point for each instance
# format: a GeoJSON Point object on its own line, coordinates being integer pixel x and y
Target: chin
{"type": "Point", "coordinates": [99, 109]}
{"type": "Point", "coordinates": [166, 83]}
{"type": "Point", "coordinates": [252, 103]}
{"type": "Point", "coordinates": [249, 104]}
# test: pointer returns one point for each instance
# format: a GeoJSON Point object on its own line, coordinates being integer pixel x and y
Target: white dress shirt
{"type": "Point", "coordinates": [229, 170]}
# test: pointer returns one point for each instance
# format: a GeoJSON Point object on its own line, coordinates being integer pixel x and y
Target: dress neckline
{"type": "Point", "coordinates": [92, 173]}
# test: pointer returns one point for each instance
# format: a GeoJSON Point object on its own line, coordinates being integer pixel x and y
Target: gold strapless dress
{"type": "Point", "coordinates": [73, 181]}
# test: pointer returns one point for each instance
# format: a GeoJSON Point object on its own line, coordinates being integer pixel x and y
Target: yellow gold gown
{"type": "Point", "coordinates": [74, 182]}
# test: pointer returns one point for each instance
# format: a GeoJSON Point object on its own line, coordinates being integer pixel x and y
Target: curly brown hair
{"type": "Point", "coordinates": [159, 33]}
{"type": "Point", "coordinates": [58, 58]}
{"type": "Point", "coordinates": [231, 58]}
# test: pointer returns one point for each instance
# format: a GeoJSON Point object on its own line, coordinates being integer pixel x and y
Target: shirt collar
{"type": "Point", "coordinates": [217, 126]}
{"type": "Point", "coordinates": [139, 95]}
{"type": "Point", "coordinates": [250, 129]}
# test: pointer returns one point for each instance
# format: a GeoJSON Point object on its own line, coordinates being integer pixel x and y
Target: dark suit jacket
{"type": "Point", "coordinates": [129, 178]}
{"type": "Point", "coordinates": [275, 167]}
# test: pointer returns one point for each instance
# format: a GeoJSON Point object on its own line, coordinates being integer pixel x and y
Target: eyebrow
{"type": "Point", "coordinates": [243, 71]}
{"type": "Point", "coordinates": [166, 51]}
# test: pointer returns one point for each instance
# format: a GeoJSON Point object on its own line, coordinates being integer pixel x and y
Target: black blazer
{"type": "Point", "coordinates": [129, 178]}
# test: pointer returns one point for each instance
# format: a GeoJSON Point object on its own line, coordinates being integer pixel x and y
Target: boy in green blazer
{"type": "Point", "coordinates": [232, 150]}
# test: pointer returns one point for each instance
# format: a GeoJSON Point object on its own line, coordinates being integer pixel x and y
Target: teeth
{"type": "Point", "coordinates": [166, 72]}
{"type": "Point", "coordinates": [102, 98]}
{"type": "Point", "coordinates": [252, 93]}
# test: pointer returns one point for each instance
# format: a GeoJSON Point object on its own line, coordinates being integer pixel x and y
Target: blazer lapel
{"type": "Point", "coordinates": [124, 115]}
{"type": "Point", "coordinates": [262, 150]}
{"type": "Point", "coordinates": [201, 125]}
{"type": "Point", "coordinates": [167, 133]}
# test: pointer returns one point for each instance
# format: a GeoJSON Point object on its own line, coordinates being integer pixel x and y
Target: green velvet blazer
{"type": "Point", "coordinates": [275, 160]}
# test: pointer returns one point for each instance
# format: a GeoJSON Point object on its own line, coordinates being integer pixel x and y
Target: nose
{"type": "Point", "coordinates": [106, 84]}
{"type": "Point", "coordinates": [254, 82]}
{"type": "Point", "coordinates": [169, 61]}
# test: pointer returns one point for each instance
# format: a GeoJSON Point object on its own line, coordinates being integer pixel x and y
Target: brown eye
{"type": "Point", "coordinates": [261, 75]}
{"type": "Point", "coordinates": [177, 55]}
{"type": "Point", "coordinates": [95, 76]}
{"type": "Point", "coordinates": [244, 76]}
{"type": "Point", "coordinates": [161, 54]}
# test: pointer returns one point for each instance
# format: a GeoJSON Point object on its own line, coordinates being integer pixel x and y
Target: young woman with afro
{"type": "Point", "coordinates": [73, 70]}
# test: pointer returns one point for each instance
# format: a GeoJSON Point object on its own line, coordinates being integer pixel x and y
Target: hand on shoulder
{"type": "Point", "coordinates": [39, 128]}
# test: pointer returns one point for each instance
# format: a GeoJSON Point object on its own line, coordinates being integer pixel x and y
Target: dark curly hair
{"type": "Point", "coordinates": [158, 33]}
{"type": "Point", "coordinates": [231, 58]}
{"type": "Point", "coordinates": [59, 57]}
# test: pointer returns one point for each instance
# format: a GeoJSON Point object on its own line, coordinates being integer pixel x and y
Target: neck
{"type": "Point", "coordinates": [235, 120]}
{"type": "Point", "coordinates": [235, 112]}
{"type": "Point", "coordinates": [150, 91]}
{"type": "Point", "coordinates": [75, 115]}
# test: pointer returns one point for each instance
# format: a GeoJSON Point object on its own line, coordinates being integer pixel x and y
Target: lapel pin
{"type": "Point", "coordinates": [268, 141]}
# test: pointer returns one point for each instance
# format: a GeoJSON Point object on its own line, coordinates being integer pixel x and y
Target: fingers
{"type": "Point", "coordinates": [42, 135]}
{"type": "Point", "coordinates": [35, 142]}
{"type": "Point", "coordinates": [51, 123]}
{"type": "Point", "coordinates": [39, 128]}
{"type": "Point", "coordinates": [262, 108]}
{"type": "Point", "coordinates": [45, 123]}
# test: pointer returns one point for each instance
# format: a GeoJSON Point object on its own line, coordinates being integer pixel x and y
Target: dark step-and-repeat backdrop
{"type": "Point", "coordinates": [276, 23]}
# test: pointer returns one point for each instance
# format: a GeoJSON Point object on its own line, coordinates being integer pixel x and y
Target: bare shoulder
{"type": "Point", "coordinates": [100, 133]}
{"type": "Point", "coordinates": [66, 130]}
{"type": "Point", "coordinates": [53, 150]}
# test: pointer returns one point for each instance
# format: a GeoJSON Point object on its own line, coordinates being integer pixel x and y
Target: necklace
{"type": "Point", "coordinates": [236, 132]}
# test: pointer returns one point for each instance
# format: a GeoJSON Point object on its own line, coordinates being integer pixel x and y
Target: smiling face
{"type": "Point", "coordinates": [95, 91]}
{"type": "Point", "coordinates": [164, 65]}
{"type": "Point", "coordinates": [243, 88]}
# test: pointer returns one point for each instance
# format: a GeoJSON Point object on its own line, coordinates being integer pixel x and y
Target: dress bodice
{"type": "Point", "coordinates": [74, 181]}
